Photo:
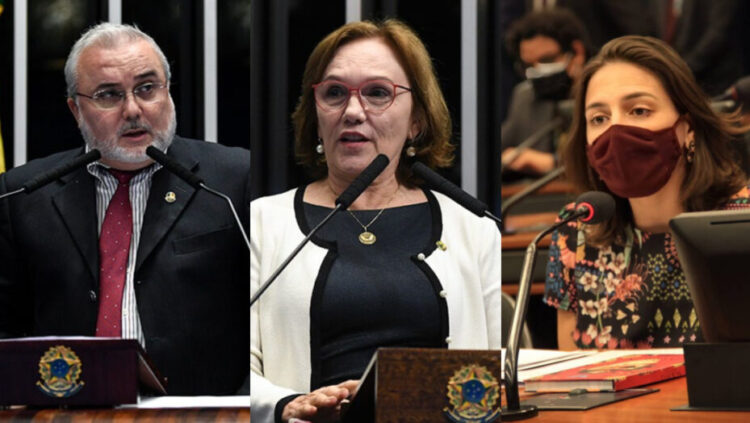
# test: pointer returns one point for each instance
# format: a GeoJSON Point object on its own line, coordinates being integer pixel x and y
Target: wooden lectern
{"type": "Point", "coordinates": [428, 385]}
{"type": "Point", "coordinates": [74, 371]}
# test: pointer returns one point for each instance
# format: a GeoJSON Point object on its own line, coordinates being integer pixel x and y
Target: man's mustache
{"type": "Point", "coordinates": [134, 126]}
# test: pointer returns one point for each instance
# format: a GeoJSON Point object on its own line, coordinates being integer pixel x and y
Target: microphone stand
{"type": "Point", "coordinates": [344, 200]}
{"type": "Point", "coordinates": [514, 410]}
{"type": "Point", "coordinates": [532, 188]}
{"type": "Point", "coordinates": [12, 193]}
{"type": "Point", "coordinates": [532, 140]}
{"type": "Point", "coordinates": [231, 207]}
{"type": "Point", "coordinates": [283, 265]}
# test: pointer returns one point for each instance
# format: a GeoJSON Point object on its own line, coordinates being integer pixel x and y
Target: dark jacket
{"type": "Point", "coordinates": [192, 271]}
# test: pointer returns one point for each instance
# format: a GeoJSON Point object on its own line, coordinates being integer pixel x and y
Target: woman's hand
{"type": "Point", "coordinates": [322, 405]}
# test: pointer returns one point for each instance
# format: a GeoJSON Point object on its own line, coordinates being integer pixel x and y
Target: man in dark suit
{"type": "Point", "coordinates": [122, 247]}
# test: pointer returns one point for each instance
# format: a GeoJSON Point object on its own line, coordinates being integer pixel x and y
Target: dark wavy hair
{"type": "Point", "coordinates": [433, 146]}
{"type": "Point", "coordinates": [712, 178]}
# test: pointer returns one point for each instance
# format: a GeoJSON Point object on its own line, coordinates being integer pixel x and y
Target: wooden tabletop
{"type": "Point", "coordinates": [525, 227]}
{"type": "Point", "coordinates": [521, 240]}
{"type": "Point", "coordinates": [537, 288]}
{"type": "Point", "coordinates": [554, 187]}
{"type": "Point", "coordinates": [529, 222]}
{"type": "Point", "coordinates": [648, 408]}
{"type": "Point", "coordinates": [219, 415]}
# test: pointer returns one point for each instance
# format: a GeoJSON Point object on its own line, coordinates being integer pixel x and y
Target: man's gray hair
{"type": "Point", "coordinates": [107, 35]}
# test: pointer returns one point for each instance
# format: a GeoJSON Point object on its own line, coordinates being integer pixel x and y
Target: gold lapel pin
{"type": "Point", "coordinates": [442, 245]}
{"type": "Point", "coordinates": [170, 197]}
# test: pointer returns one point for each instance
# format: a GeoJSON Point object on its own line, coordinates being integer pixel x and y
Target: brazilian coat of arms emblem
{"type": "Point", "coordinates": [60, 369]}
{"type": "Point", "coordinates": [473, 395]}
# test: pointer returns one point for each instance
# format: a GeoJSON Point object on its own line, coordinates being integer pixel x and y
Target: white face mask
{"type": "Point", "coordinates": [545, 69]}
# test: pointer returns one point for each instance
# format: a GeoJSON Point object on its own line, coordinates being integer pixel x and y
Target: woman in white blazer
{"type": "Point", "coordinates": [403, 266]}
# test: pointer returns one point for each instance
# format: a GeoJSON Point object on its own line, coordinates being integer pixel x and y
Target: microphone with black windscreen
{"type": "Point", "coordinates": [455, 193]}
{"type": "Point", "coordinates": [361, 182]}
{"type": "Point", "coordinates": [191, 178]}
{"type": "Point", "coordinates": [591, 207]}
{"type": "Point", "coordinates": [350, 194]}
{"type": "Point", "coordinates": [49, 176]}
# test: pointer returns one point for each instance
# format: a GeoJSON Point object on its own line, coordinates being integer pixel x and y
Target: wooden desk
{"type": "Point", "coordinates": [219, 415]}
{"type": "Point", "coordinates": [521, 240]}
{"type": "Point", "coordinates": [537, 288]}
{"type": "Point", "coordinates": [554, 187]}
{"type": "Point", "coordinates": [526, 227]}
{"type": "Point", "coordinates": [647, 408]}
{"type": "Point", "coordinates": [529, 222]}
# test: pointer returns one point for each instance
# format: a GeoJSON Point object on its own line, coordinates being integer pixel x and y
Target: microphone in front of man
{"type": "Point", "coordinates": [350, 194]}
{"type": "Point", "coordinates": [49, 176]}
{"type": "Point", "coordinates": [591, 207]}
{"type": "Point", "coordinates": [193, 180]}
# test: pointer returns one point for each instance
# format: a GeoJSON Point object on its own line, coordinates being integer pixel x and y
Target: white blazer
{"type": "Point", "coordinates": [280, 360]}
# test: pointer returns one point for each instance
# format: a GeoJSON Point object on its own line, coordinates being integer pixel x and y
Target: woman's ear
{"type": "Point", "coordinates": [690, 132]}
{"type": "Point", "coordinates": [413, 131]}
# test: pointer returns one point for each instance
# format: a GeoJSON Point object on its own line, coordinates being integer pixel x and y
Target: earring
{"type": "Point", "coordinates": [690, 152]}
{"type": "Point", "coordinates": [410, 150]}
{"type": "Point", "coordinates": [319, 147]}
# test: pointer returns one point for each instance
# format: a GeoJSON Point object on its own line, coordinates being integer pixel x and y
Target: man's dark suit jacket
{"type": "Point", "coordinates": [192, 276]}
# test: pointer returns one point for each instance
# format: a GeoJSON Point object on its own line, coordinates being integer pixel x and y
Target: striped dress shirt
{"type": "Point", "coordinates": [140, 186]}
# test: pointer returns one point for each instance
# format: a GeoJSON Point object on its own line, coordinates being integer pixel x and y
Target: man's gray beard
{"type": "Point", "coordinates": [113, 152]}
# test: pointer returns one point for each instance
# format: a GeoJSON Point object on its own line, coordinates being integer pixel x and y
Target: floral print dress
{"type": "Point", "coordinates": [625, 296]}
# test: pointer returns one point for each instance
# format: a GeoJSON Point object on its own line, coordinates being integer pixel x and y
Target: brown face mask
{"type": "Point", "coordinates": [634, 161]}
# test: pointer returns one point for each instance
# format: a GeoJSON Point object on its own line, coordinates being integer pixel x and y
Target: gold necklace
{"type": "Point", "coordinates": [367, 237]}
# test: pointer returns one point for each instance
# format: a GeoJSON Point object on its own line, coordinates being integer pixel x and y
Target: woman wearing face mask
{"type": "Point", "coordinates": [644, 132]}
{"type": "Point", "coordinates": [402, 267]}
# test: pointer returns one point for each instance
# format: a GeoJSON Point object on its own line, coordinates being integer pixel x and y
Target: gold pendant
{"type": "Point", "coordinates": [367, 238]}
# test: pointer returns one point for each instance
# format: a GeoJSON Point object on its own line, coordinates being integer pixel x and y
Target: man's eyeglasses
{"type": "Point", "coordinates": [111, 98]}
{"type": "Point", "coordinates": [374, 96]}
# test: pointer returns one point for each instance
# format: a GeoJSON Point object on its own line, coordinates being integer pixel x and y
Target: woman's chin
{"type": "Point", "coordinates": [352, 165]}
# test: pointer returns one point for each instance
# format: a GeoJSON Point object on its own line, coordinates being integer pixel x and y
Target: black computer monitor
{"type": "Point", "coordinates": [714, 251]}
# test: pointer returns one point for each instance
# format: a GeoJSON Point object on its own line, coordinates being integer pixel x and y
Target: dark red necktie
{"type": "Point", "coordinates": [114, 247]}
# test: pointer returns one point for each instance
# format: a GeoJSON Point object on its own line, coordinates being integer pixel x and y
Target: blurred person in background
{"type": "Point", "coordinates": [550, 47]}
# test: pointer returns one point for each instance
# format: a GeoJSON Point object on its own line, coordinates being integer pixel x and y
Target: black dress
{"type": "Point", "coordinates": [374, 295]}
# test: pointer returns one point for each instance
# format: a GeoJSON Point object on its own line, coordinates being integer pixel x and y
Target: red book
{"type": "Point", "coordinates": [616, 374]}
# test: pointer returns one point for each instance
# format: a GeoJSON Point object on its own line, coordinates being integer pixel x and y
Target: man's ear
{"type": "Point", "coordinates": [74, 109]}
{"type": "Point", "coordinates": [579, 58]}
{"type": "Point", "coordinates": [579, 49]}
